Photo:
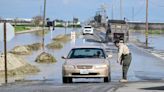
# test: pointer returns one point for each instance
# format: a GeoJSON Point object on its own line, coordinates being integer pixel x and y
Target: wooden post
{"type": "Point", "coordinates": [5, 52]}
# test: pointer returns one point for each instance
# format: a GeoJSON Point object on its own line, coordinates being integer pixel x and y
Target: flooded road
{"type": "Point", "coordinates": [144, 65]}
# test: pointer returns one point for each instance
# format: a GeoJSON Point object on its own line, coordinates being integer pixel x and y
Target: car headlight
{"type": "Point", "coordinates": [69, 67]}
{"type": "Point", "coordinates": [101, 66]}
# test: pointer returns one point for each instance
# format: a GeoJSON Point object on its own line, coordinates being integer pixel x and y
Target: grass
{"type": "Point", "coordinates": [69, 26]}
{"type": "Point", "coordinates": [21, 28]}
{"type": "Point", "coordinates": [75, 26]}
{"type": "Point", "coordinates": [59, 25]}
{"type": "Point", "coordinates": [156, 32]}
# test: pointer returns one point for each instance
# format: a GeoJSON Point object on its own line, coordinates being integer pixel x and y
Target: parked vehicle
{"type": "Point", "coordinates": [88, 30]}
{"type": "Point", "coordinates": [86, 62]}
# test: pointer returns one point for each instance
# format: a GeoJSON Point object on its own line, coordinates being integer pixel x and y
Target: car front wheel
{"type": "Point", "coordinates": [64, 79]}
{"type": "Point", "coordinates": [106, 79]}
{"type": "Point", "coordinates": [67, 80]}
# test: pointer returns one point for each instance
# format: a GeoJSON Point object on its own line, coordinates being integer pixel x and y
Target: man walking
{"type": "Point", "coordinates": [108, 33]}
{"type": "Point", "coordinates": [124, 58]}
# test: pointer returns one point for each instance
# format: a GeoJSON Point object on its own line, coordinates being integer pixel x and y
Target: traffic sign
{"type": "Point", "coordinates": [73, 35]}
{"type": "Point", "coordinates": [73, 38]}
{"type": "Point", "coordinates": [9, 31]}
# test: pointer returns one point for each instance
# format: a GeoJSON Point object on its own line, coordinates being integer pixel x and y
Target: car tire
{"type": "Point", "coordinates": [70, 80]}
{"type": "Point", "coordinates": [106, 79]}
{"type": "Point", "coordinates": [65, 80]}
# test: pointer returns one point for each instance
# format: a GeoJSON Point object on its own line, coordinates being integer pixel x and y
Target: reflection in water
{"type": "Point", "coordinates": [155, 41]}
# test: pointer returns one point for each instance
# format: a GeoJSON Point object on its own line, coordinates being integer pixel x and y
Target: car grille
{"type": "Point", "coordinates": [85, 74]}
{"type": "Point", "coordinates": [84, 67]}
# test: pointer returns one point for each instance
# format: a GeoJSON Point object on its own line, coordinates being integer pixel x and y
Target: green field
{"type": "Point", "coordinates": [69, 26]}
{"type": "Point", "coordinates": [21, 28]}
{"type": "Point", "coordinates": [156, 32]}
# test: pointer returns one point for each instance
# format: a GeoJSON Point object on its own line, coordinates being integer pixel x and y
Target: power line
{"type": "Point", "coordinates": [132, 13]}
{"type": "Point", "coordinates": [155, 4]}
{"type": "Point", "coordinates": [121, 9]}
{"type": "Point", "coordinates": [140, 9]}
{"type": "Point", "coordinates": [112, 13]}
{"type": "Point", "coordinates": [114, 4]}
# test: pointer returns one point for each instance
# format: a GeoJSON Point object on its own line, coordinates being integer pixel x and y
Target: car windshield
{"type": "Point", "coordinates": [86, 53]}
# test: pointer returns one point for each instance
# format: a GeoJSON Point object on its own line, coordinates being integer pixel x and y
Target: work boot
{"type": "Point", "coordinates": [123, 80]}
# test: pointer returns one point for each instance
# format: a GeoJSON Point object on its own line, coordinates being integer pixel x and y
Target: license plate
{"type": "Point", "coordinates": [84, 72]}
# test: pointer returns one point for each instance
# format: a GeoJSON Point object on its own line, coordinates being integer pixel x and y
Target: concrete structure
{"type": "Point", "coordinates": [142, 26]}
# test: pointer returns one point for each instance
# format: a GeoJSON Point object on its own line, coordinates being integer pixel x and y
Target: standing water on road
{"type": "Point", "coordinates": [48, 71]}
{"type": "Point", "coordinates": [54, 71]}
{"type": "Point", "coordinates": [155, 41]}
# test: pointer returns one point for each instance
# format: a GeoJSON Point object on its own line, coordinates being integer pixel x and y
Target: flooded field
{"type": "Point", "coordinates": [155, 41]}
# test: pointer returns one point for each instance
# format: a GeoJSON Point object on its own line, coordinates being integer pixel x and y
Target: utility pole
{"type": "Point", "coordinates": [147, 25]}
{"type": "Point", "coordinates": [5, 52]}
{"type": "Point", "coordinates": [73, 23]}
{"type": "Point", "coordinates": [44, 17]}
{"type": "Point", "coordinates": [121, 9]}
{"type": "Point", "coordinates": [65, 26]}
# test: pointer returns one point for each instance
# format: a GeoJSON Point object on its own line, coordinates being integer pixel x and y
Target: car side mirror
{"type": "Point", "coordinates": [64, 57]}
{"type": "Point", "coordinates": [110, 55]}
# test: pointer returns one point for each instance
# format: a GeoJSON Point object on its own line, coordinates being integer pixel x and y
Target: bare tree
{"type": "Point", "coordinates": [37, 20]}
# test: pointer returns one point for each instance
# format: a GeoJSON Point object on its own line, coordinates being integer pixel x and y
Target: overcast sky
{"type": "Point", "coordinates": [83, 9]}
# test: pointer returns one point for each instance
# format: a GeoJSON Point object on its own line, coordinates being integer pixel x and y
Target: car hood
{"type": "Point", "coordinates": [85, 61]}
